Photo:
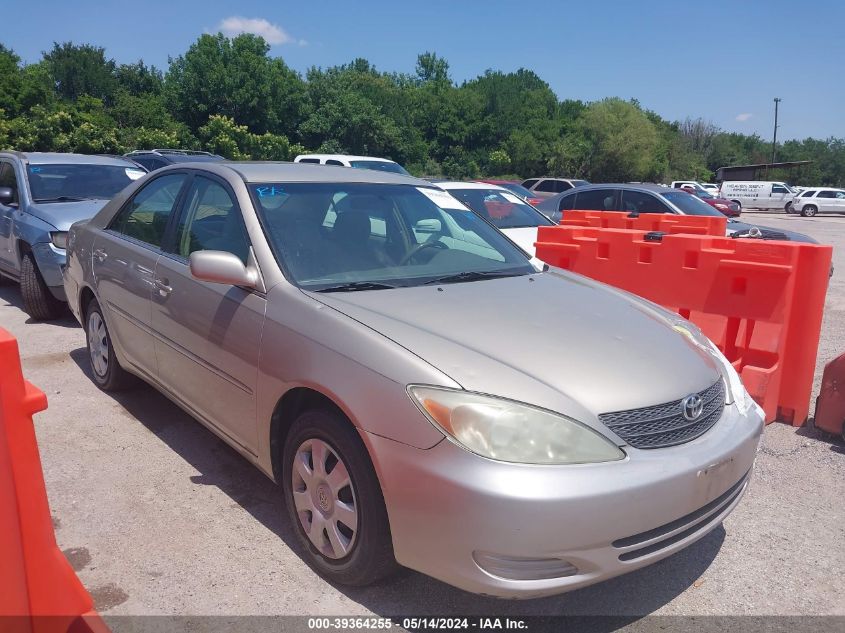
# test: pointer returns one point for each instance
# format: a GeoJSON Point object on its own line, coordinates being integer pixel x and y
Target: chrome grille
{"type": "Point", "coordinates": [664, 424]}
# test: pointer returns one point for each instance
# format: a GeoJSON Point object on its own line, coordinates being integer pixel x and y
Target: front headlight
{"type": "Point", "coordinates": [737, 393]}
{"type": "Point", "coordinates": [59, 239]}
{"type": "Point", "coordinates": [510, 431]}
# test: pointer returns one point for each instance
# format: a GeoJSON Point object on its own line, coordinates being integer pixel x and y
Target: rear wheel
{"type": "Point", "coordinates": [108, 374]}
{"type": "Point", "coordinates": [38, 301]}
{"type": "Point", "coordinates": [334, 500]}
{"type": "Point", "coordinates": [809, 211]}
{"type": "Point", "coordinates": [737, 203]}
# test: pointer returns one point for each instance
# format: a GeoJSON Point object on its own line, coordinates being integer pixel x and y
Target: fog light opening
{"type": "Point", "coordinates": [521, 568]}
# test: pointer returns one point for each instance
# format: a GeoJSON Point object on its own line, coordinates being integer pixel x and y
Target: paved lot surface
{"type": "Point", "coordinates": [160, 517]}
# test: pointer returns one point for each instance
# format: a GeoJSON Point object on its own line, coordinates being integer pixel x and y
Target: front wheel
{"type": "Point", "coordinates": [788, 207]}
{"type": "Point", "coordinates": [809, 211]}
{"type": "Point", "coordinates": [38, 301]}
{"type": "Point", "coordinates": [334, 500]}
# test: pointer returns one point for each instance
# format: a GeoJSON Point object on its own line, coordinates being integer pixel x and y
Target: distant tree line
{"type": "Point", "coordinates": [229, 96]}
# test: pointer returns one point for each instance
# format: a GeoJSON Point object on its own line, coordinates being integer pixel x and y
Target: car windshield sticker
{"type": "Point", "coordinates": [269, 191]}
{"type": "Point", "coordinates": [511, 198]}
{"type": "Point", "coordinates": [441, 199]}
{"type": "Point", "coordinates": [133, 173]}
{"type": "Point", "coordinates": [34, 169]}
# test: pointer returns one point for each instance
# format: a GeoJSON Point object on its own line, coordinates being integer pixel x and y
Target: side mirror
{"type": "Point", "coordinates": [7, 196]}
{"type": "Point", "coordinates": [220, 267]}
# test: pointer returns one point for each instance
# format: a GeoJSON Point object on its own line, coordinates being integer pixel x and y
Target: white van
{"type": "Point", "coordinates": [756, 194]}
{"type": "Point", "coordinates": [345, 160]}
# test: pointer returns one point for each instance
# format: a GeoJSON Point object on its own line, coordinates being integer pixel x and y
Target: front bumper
{"type": "Point", "coordinates": [51, 263]}
{"type": "Point", "coordinates": [449, 508]}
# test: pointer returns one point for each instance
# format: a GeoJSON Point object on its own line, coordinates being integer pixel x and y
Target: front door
{"type": "Point", "coordinates": [207, 335]}
{"type": "Point", "coordinates": [8, 213]}
{"type": "Point", "coordinates": [124, 260]}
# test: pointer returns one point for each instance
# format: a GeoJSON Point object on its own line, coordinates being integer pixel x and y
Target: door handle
{"type": "Point", "coordinates": [162, 287]}
{"type": "Point", "coordinates": [100, 254]}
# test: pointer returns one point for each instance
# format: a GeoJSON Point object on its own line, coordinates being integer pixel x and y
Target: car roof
{"type": "Point", "coordinates": [61, 158]}
{"type": "Point", "coordinates": [345, 157]}
{"type": "Point", "coordinates": [458, 184]}
{"type": "Point", "coordinates": [646, 186]}
{"type": "Point", "coordinates": [271, 171]}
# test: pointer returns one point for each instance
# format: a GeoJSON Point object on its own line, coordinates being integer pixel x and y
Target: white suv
{"type": "Point", "coordinates": [819, 200]}
{"type": "Point", "coordinates": [345, 160]}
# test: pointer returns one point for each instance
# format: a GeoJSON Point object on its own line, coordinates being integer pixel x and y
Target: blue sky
{"type": "Point", "coordinates": [724, 61]}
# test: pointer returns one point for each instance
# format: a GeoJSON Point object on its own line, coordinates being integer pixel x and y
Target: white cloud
{"type": "Point", "coordinates": [744, 116]}
{"type": "Point", "coordinates": [272, 33]}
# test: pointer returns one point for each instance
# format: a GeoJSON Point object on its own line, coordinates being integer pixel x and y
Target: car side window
{"type": "Point", "coordinates": [779, 189]}
{"type": "Point", "coordinates": [808, 194]}
{"type": "Point", "coordinates": [309, 160]}
{"type": "Point", "coordinates": [567, 203]}
{"type": "Point", "coordinates": [641, 202]}
{"type": "Point", "coordinates": [8, 179]}
{"type": "Point", "coordinates": [826, 194]}
{"type": "Point", "coordinates": [547, 186]}
{"type": "Point", "coordinates": [596, 200]}
{"type": "Point", "coordinates": [211, 220]}
{"type": "Point", "coordinates": [146, 215]}
{"type": "Point", "coordinates": [529, 183]}
{"type": "Point", "coordinates": [331, 161]}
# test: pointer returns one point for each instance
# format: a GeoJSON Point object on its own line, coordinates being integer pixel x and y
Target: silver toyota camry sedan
{"type": "Point", "coordinates": [423, 394]}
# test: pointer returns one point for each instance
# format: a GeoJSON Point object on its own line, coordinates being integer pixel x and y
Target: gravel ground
{"type": "Point", "coordinates": [160, 517]}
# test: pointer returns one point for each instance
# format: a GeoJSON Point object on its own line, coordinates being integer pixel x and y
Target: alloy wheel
{"type": "Point", "coordinates": [98, 344]}
{"type": "Point", "coordinates": [324, 498]}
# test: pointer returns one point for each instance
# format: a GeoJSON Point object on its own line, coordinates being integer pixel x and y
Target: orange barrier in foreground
{"type": "Point", "coordinates": [759, 301]}
{"type": "Point", "coordinates": [665, 222]}
{"type": "Point", "coordinates": [39, 592]}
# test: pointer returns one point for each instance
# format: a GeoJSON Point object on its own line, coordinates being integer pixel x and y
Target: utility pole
{"type": "Point", "coordinates": [775, 135]}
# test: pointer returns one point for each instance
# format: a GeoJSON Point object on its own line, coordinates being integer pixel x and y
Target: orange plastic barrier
{"type": "Point", "coordinates": [667, 223]}
{"type": "Point", "coordinates": [39, 592]}
{"type": "Point", "coordinates": [760, 302]}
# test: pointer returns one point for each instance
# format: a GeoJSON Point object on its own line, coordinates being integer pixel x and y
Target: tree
{"type": "Point", "coordinates": [234, 78]}
{"type": "Point", "coordinates": [10, 81]}
{"type": "Point", "coordinates": [78, 70]}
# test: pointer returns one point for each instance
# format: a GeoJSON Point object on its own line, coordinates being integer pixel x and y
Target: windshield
{"type": "Point", "coordinates": [704, 194]}
{"type": "Point", "coordinates": [519, 190]}
{"type": "Point", "coordinates": [352, 236]}
{"type": "Point", "coordinates": [59, 183]}
{"type": "Point", "coordinates": [502, 208]}
{"type": "Point", "coordinates": [689, 204]}
{"type": "Point", "coordinates": [379, 165]}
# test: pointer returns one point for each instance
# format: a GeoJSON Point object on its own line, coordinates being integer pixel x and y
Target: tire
{"type": "Point", "coordinates": [738, 203]}
{"type": "Point", "coordinates": [322, 441]}
{"type": "Point", "coordinates": [809, 210]}
{"type": "Point", "coordinates": [38, 301]}
{"type": "Point", "coordinates": [106, 369]}
{"type": "Point", "coordinates": [788, 208]}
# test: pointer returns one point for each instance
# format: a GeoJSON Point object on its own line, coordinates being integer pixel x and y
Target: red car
{"type": "Point", "coordinates": [517, 188]}
{"type": "Point", "coordinates": [727, 207]}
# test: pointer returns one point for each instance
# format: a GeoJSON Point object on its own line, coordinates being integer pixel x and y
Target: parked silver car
{"type": "Point", "coordinates": [423, 395]}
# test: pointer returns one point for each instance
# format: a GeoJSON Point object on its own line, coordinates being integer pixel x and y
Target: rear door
{"type": "Point", "coordinates": [207, 335]}
{"type": "Point", "coordinates": [124, 260]}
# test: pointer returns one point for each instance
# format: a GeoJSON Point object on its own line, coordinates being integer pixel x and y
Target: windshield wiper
{"type": "Point", "coordinates": [353, 286]}
{"type": "Point", "coordinates": [62, 199]}
{"type": "Point", "coordinates": [471, 275]}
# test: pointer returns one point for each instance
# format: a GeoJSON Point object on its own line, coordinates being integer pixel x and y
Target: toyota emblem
{"type": "Point", "coordinates": [692, 406]}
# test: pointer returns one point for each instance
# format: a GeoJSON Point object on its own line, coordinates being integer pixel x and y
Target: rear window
{"type": "Point", "coordinates": [690, 204]}
{"type": "Point", "coordinates": [501, 208]}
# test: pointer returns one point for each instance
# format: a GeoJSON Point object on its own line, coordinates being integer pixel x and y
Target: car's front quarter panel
{"type": "Point", "coordinates": [77, 270]}
{"type": "Point", "coordinates": [308, 344]}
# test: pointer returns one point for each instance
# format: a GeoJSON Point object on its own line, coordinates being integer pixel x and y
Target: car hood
{"type": "Point", "coordinates": [771, 233]}
{"type": "Point", "coordinates": [63, 214]}
{"type": "Point", "coordinates": [553, 339]}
